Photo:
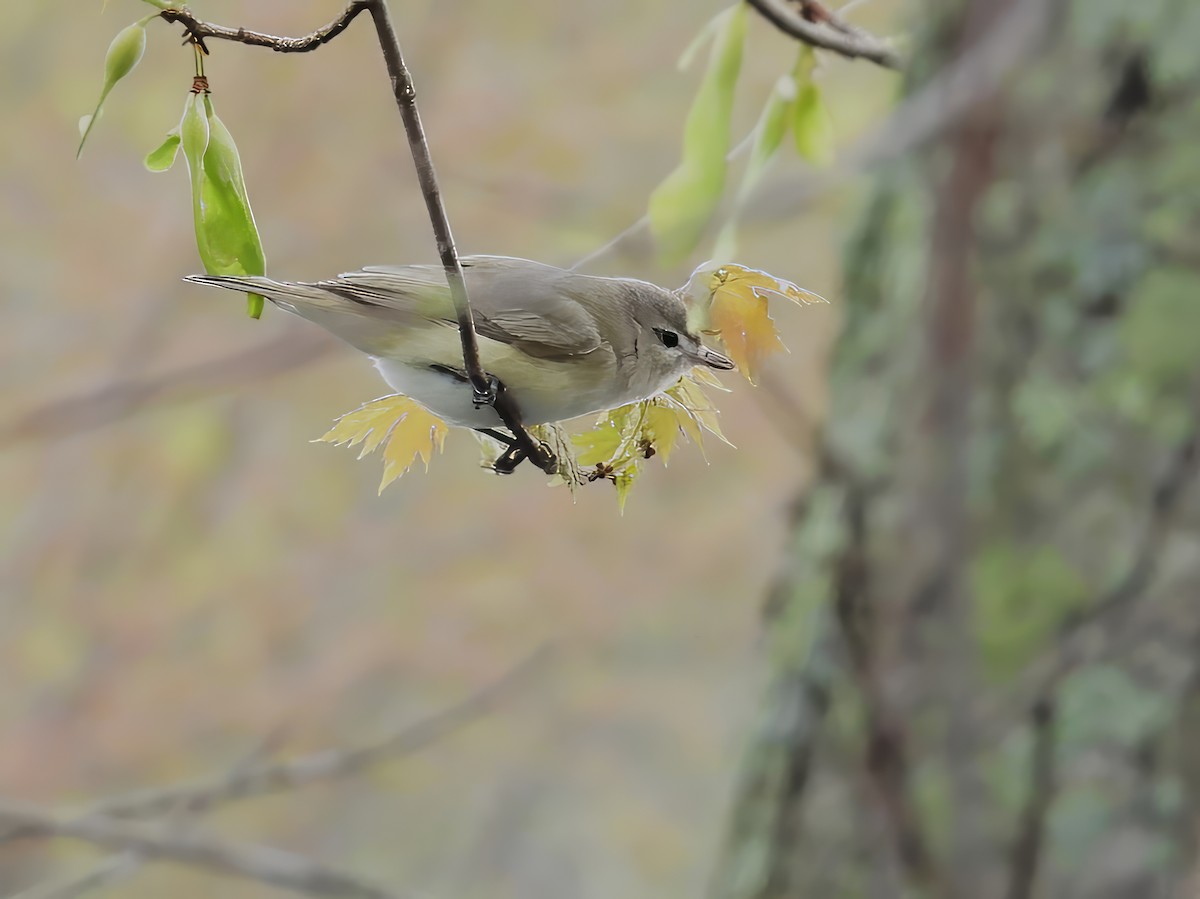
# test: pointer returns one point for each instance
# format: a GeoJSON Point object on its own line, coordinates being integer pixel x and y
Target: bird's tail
{"type": "Point", "coordinates": [367, 327]}
{"type": "Point", "coordinates": [289, 294]}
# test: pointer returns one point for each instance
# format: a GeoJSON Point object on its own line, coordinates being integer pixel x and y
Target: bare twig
{"type": "Point", "coordinates": [199, 31]}
{"type": "Point", "coordinates": [487, 389]}
{"type": "Point", "coordinates": [259, 863]}
{"type": "Point", "coordinates": [1031, 832]}
{"type": "Point", "coordinates": [816, 26]}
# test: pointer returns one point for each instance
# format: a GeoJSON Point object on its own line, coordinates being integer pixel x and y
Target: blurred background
{"type": "Point", "coordinates": [821, 664]}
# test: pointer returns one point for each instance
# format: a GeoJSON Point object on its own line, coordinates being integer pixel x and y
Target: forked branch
{"type": "Point", "coordinates": [486, 389]}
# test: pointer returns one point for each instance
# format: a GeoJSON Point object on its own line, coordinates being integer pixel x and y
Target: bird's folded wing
{"type": "Point", "coordinates": [517, 302]}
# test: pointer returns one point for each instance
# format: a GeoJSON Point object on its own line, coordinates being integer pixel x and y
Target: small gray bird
{"type": "Point", "coordinates": [563, 344]}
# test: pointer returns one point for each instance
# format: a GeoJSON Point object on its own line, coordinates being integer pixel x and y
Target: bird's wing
{"type": "Point", "coordinates": [525, 304]}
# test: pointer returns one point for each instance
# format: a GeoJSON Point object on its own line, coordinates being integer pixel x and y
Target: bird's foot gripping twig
{"type": "Point", "coordinates": [486, 394]}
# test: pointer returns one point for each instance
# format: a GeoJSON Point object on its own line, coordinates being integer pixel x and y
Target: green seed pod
{"type": "Point", "coordinates": [124, 53]}
{"type": "Point", "coordinates": [239, 243]}
{"type": "Point", "coordinates": [193, 132]}
{"type": "Point", "coordinates": [226, 236]}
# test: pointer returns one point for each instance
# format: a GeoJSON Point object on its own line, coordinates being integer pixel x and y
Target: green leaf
{"type": "Point", "coordinates": [684, 202]}
{"type": "Point", "coordinates": [162, 158]}
{"type": "Point", "coordinates": [124, 53]}
{"type": "Point", "coordinates": [812, 126]}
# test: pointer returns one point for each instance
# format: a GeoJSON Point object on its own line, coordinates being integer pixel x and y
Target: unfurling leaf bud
{"type": "Point", "coordinates": [162, 158]}
{"type": "Point", "coordinates": [124, 53]}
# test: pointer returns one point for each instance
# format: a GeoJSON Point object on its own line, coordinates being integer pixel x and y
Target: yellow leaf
{"type": "Point", "coordinates": [733, 304]}
{"type": "Point", "coordinates": [695, 411]}
{"type": "Point", "coordinates": [603, 442]}
{"type": "Point", "coordinates": [661, 427]}
{"type": "Point", "coordinates": [407, 429]}
{"type": "Point", "coordinates": [705, 377]}
{"type": "Point", "coordinates": [746, 328]}
{"type": "Point", "coordinates": [623, 482]}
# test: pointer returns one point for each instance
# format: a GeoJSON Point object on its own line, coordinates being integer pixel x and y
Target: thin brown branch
{"type": "Point", "coordinates": [816, 26]}
{"type": "Point", "coordinates": [262, 864]}
{"type": "Point", "coordinates": [1031, 832]}
{"type": "Point", "coordinates": [487, 389]}
{"type": "Point", "coordinates": [200, 31]}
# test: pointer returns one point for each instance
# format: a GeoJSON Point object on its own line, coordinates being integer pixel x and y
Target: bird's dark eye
{"type": "Point", "coordinates": [668, 338]}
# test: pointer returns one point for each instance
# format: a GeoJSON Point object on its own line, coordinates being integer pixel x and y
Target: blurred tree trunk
{"type": "Point", "coordinates": [982, 667]}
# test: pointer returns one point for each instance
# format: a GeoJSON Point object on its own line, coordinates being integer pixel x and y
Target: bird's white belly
{"type": "Point", "coordinates": [558, 392]}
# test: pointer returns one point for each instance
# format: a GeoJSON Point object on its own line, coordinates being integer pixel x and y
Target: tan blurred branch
{"type": "Point", "coordinates": [886, 759]}
{"type": "Point", "coordinates": [486, 389]}
{"type": "Point", "coordinates": [1103, 625]}
{"type": "Point", "coordinates": [115, 868]}
{"type": "Point", "coordinates": [117, 399]}
{"type": "Point", "coordinates": [317, 767]}
{"type": "Point", "coordinates": [814, 24]}
{"type": "Point", "coordinates": [259, 863]}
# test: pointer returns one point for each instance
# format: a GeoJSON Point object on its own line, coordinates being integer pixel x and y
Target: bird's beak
{"type": "Point", "coordinates": [713, 359]}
